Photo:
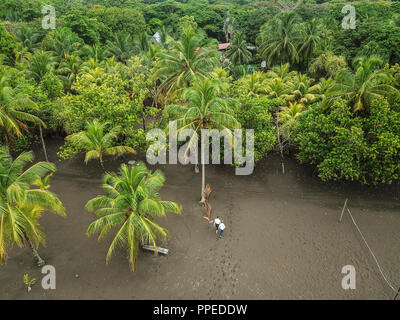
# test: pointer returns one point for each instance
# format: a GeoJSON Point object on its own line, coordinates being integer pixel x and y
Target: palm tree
{"type": "Point", "coordinates": [283, 72]}
{"type": "Point", "coordinates": [95, 52]}
{"type": "Point", "coordinates": [12, 110]}
{"type": "Point", "coordinates": [131, 203]}
{"type": "Point", "coordinates": [290, 112]}
{"type": "Point", "coordinates": [186, 61]}
{"type": "Point", "coordinates": [69, 69]}
{"type": "Point", "coordinates": [64, 42]}
{"type": "Point", "coordinates": [122, 48]}
{"type": "Point", "coordinates": [301, 90]}
{"type": "Point", "coordinates": [229, 26]}
{"type": "Point", "coordinates": [21, 205]}
{"type": "Point", "coordinates": [252, 84]}
{"type": "Point", "coordinates": [322, 87]}
{"type": "Point", "coordinates": [40, 63]}
{"type": "Point", "coordinates": [311, 35]}
{"type": "Point", "coordinates": [279, 39]}
{"type": "Point", "coordinates": [362, 87]}
{"type": "Point", "coordinates": [204, 110]}
{"type": "Point", "coordinates": [277, 88]}
{"type": "Point", "coordinates": [28, 37]}
{"type": "Point", "coordinates": [97, 143]}
{"type": "Point", "coordinates": [237, 51]}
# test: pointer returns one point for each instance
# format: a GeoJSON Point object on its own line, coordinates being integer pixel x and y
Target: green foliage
{"type": "Point", "coordinates": [98, 95]}
{"type": "Point", "coordinates": [344, 147]}
{"type": "Point", "coordinates": [8, 44]}
{"type": "Point", "coordinates": [255, 113]}
{"type": "Point", "coordinates": [51, 85]}
{"type": "Point", "coordinates": [115, 20]}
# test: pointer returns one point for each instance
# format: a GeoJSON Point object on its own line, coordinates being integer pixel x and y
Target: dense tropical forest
{"type": "Point", "coordinates": [112, 70]}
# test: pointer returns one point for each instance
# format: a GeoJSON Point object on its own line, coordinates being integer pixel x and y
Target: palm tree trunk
{"type": "Point", "coordinates": [101, 161]}
{"type": "Point", "coordinates": [39, 259]}
{"type": "Point", "coordinates": [43, 144]}
{"type": "Point", "coordinates": [203, 181]}
{"type": "Point", "coordinates": [279, 141]}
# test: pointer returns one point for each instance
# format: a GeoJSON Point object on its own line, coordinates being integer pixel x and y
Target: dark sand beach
{"type": "Point", "coordinates": [282, 241]}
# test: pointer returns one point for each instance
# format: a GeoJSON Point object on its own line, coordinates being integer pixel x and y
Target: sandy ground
{"type": "Point", "coordinates": [282, 241]}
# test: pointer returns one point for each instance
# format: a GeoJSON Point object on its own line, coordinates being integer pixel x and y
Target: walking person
{"type": "Point", "coordinates": [217, 222]}
{"type": "Point", "coordinates": [221, 228]}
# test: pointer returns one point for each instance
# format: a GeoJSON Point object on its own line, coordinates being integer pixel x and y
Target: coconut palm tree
{"type": "Point", "coordinates": [12, 110]}
{"type": "Point", "coordinates": [360, 88]}
{"type": "Point", "coordinates": [204, 110]}
{"type": "Point", "coordinates": [130, 205]}
{"type": "Point", "coordinates": [97, 143]}
{"type": "Point", "coordinates": [237, 51]}
{"type": "Point", "coordinates": [279, 39]}
{"type": "Point", "coordinates": [21, 205]}
{"type": "Point", "coordinates": [186, 61]}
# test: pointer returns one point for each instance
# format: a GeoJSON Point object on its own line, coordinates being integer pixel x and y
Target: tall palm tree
{"type": "Point", "coordinates": [229, 26]}
{"type": "Point", "coordinates": [12, 110]}
{"type": "Point", "coordinates": [97, 143]}
{"type": "Point", "coordinates": [279, 39]}
{"type": "Point", "coordinates": [21, 205]}
{"type": "Point", "coordinates": [237, 51]}
{"type": "Point", "coordinates": [186, 61]}
{"type": "Point", "coordinates": [360, 88]}
{"type": "Point", "coordinates": [204, 110]}
{"type": "Point", "coordinates": [131, 203]}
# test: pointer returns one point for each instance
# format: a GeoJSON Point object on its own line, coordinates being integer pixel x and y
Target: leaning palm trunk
{"type": "Point", "coordinates": [39, 259]}
{"type": "Point", "coordinates": [43, 143]}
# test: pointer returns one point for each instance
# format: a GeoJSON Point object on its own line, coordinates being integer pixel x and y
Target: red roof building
{"type": "Point", "coordinates": [223, 46]}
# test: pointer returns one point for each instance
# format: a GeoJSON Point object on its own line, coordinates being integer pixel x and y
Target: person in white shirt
{"type": "Point", "coordinates": [221, 228]}
{"type": "Point", "coordinates": [217, 222]}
